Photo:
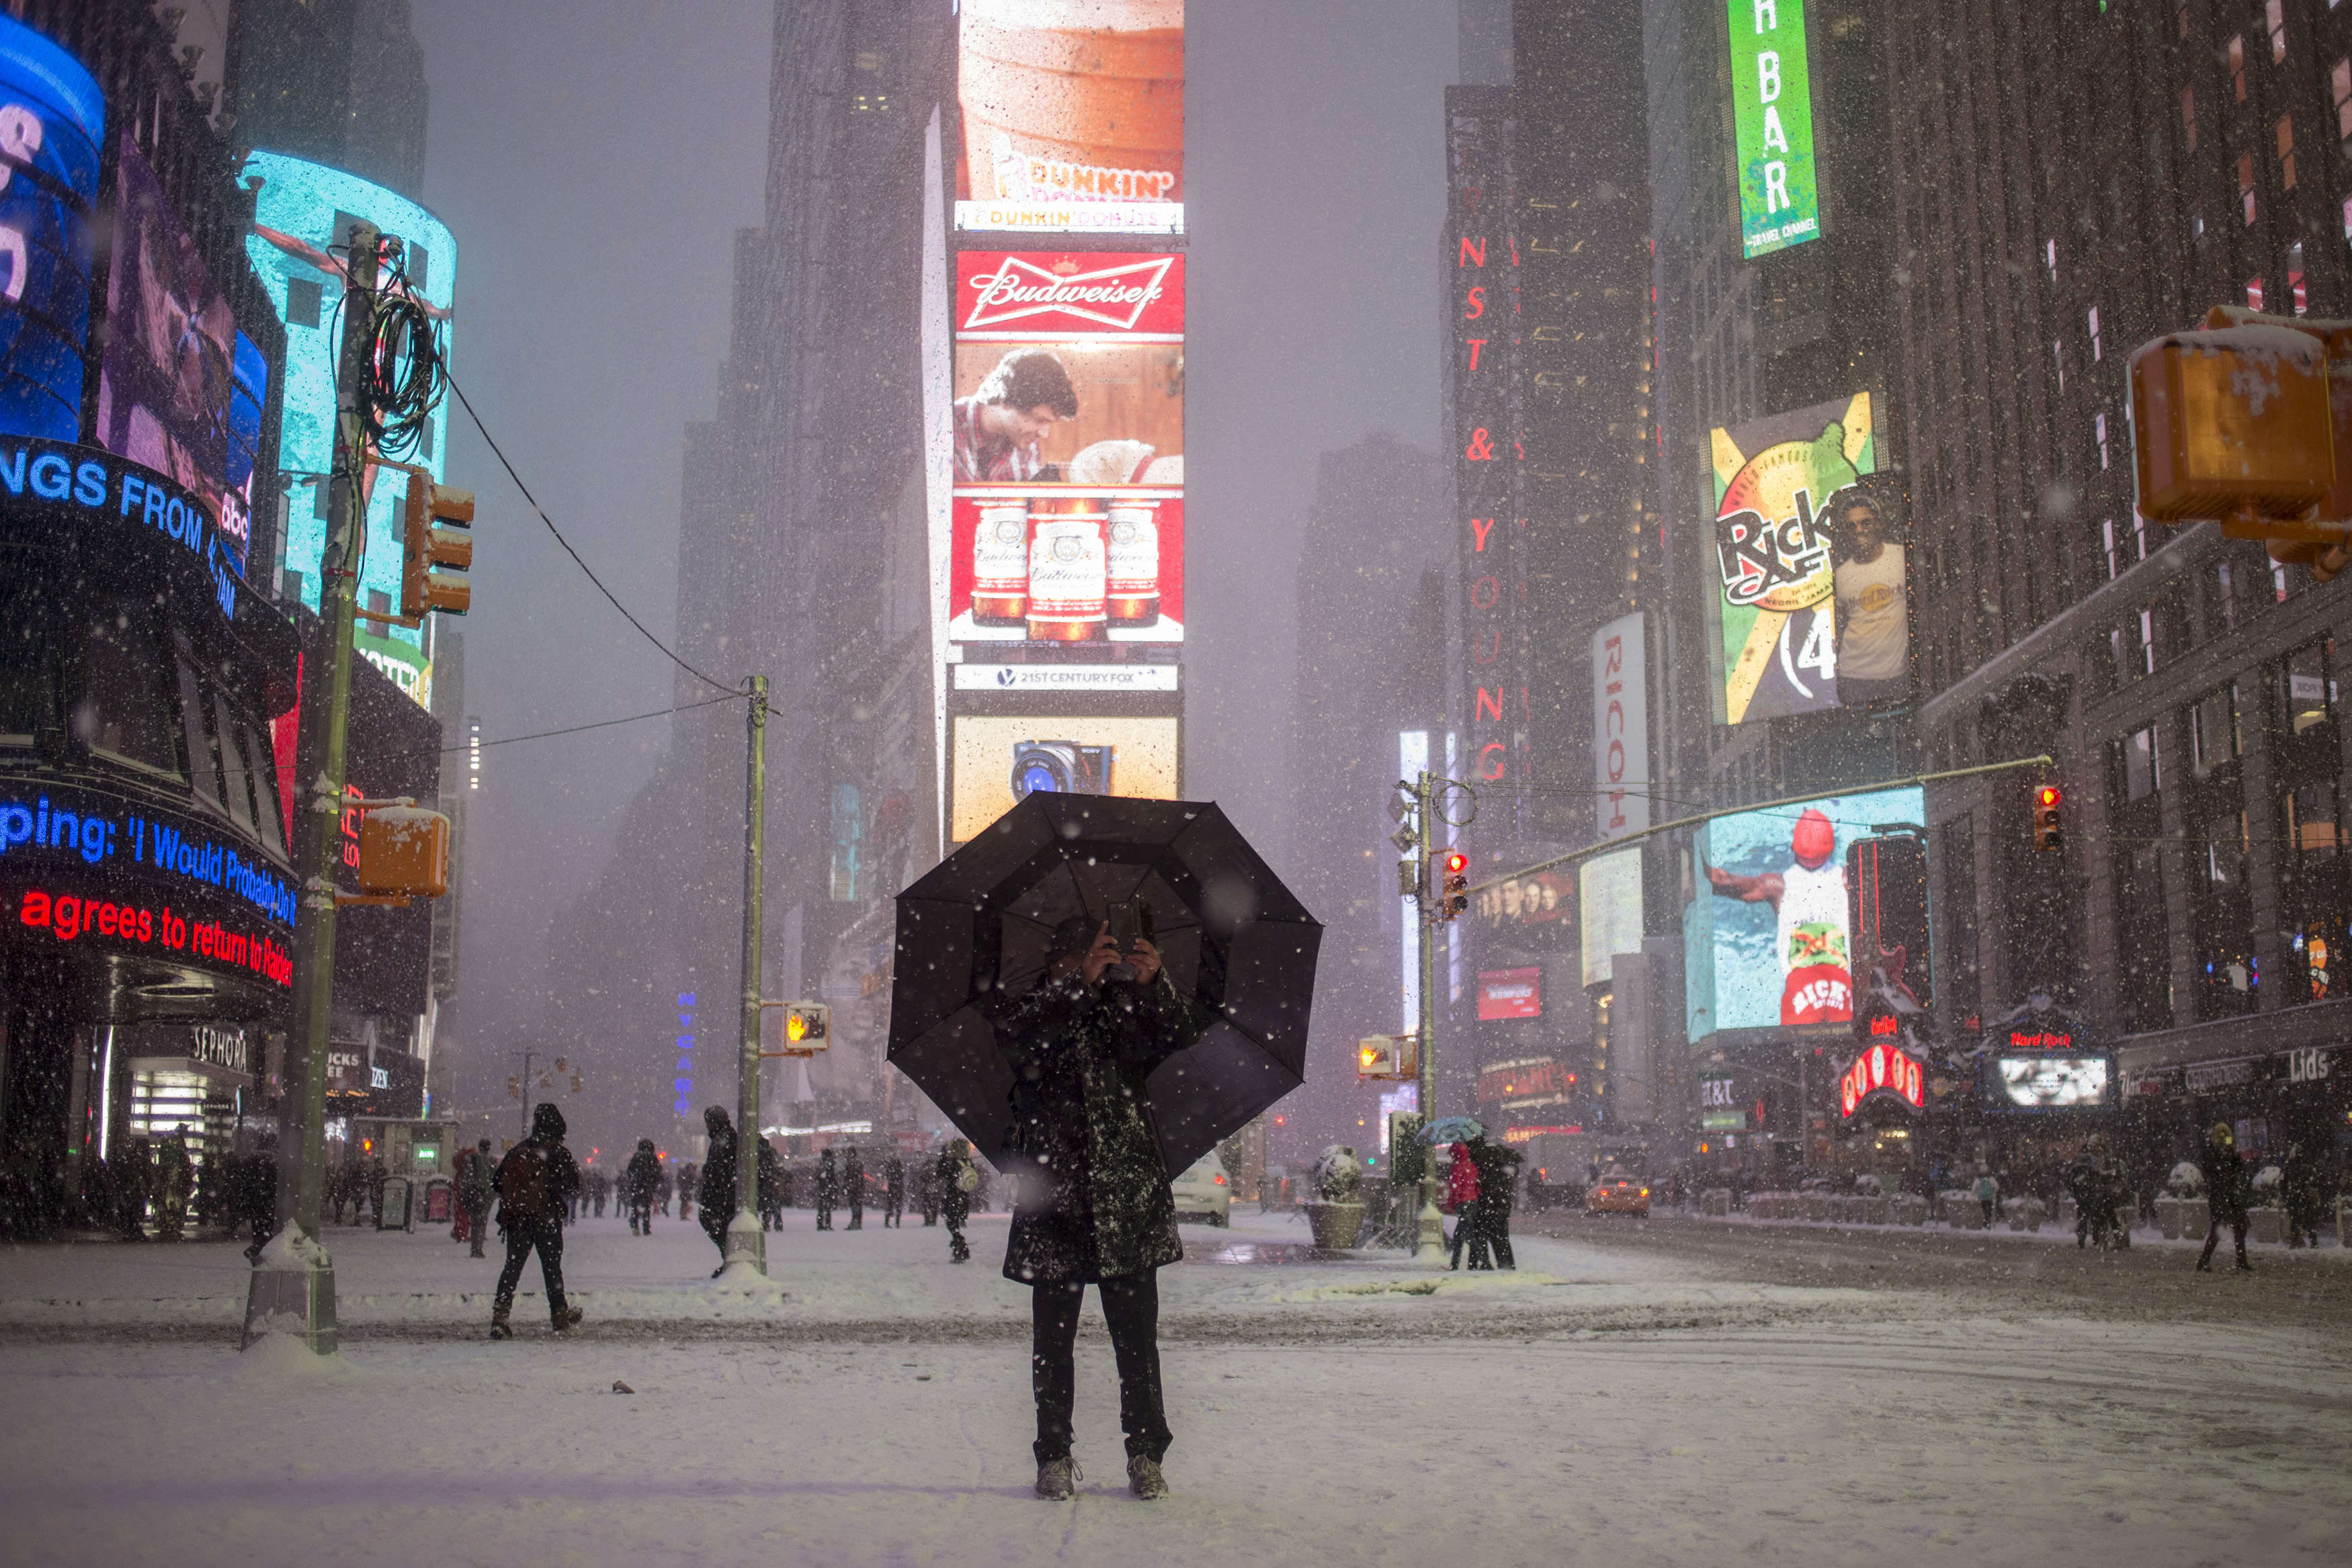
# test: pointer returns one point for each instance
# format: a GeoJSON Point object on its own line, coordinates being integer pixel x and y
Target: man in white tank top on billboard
{"type": "Point", "coordinates": [1809, 901]}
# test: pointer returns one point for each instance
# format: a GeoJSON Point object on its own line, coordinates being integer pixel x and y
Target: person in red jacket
{"type": "Point", "coordinates": [1462, 1193]}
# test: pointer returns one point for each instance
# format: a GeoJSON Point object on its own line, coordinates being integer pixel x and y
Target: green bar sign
{"type": "Point", "coordinates": [1772, 104]}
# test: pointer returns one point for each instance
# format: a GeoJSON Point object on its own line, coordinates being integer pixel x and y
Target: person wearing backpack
{"type": "Point", "coordinates": [474, 1179]}
{"type": "Point", "coordinates": [638, 1183]}
{"type": "Point", "coordinates": [535, 1182]}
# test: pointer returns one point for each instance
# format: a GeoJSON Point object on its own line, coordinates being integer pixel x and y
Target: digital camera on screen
{"type": "Point", "coordinates": [1063, 767]}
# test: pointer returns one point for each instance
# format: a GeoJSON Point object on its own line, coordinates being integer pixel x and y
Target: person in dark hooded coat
{"type": "Point", "coordinates": [828, 1189]}
{"type": "Point", "coordinates": [1094, 1203]}
{"type": "Point", "coordinates": [2226, 1192]}
{"type": "Point", "coordinates": [536, 1182]}
{"type": "Point", "coordinates": [639, 1182]}
{"type": "Point", "coordinates": [717, 1193]}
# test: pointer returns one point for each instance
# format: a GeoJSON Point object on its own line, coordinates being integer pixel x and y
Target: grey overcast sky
{"type": "Point", "coordinates": [593, 159]}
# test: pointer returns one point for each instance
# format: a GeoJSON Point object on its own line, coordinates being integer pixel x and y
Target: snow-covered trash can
{"type": "Point", "coordinates": [1335, 1214]}
{"type": "Point", "coordinates": [1962, 1211]}
{"type": "Point", "coordinates": [1716, 1203]}
{"type": "Point", "coordinates": [1814, 1205]}
{"type": "Point", "coordinates": [2168, 1217]}
{"type": "Point", "coordinates": [1910, 1211]}
{"type": "Point", "coordinates": [2266, 1223]}
{"type": "Point", "coordinates": [1874, 1210]}
{"type": "Point", "coordinates": [2196, 1218]}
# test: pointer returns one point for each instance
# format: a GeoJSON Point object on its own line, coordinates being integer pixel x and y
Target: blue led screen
{"type": "Point", "coordinates": [51, 117]}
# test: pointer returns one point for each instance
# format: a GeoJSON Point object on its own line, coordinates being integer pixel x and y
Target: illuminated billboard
{"type": "Point", "coordinates": [1802, 543]}
{"type": "Point", "coordinates": [998, 760]}
{"type": "Point", "coordinates": [303, 216]}
{"type": "Point", "coordinates": [1073, 116]}
{"type": "Point", "coordinates": [52, 116]}
{"type": "Point", "coordinates": [1610, 891]}
{"type": "Point", "coordinates": [180, 388]}
{"type": "Point", "coordinates": [2039, 1082]}
{"type": "Point", "coordinates": [1067, 467]}
{"type": "Point", "coordinates": [1510, 993]}
{"type": "Point", "coordinates": [1772, 120]}
{"type": "Point", "coordinates": [1766, 942]}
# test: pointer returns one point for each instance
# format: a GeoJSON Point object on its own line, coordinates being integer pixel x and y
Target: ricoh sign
{"type": "Point", "coordinates": [1621, 726]}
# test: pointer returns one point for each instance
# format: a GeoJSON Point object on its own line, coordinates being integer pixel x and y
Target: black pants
{"type": "Point", "coordinates": [641, 1216]}
{"type": "Point", "coordinates": [856, 1209]}
{"type": "Point", "coordinates": [1132, 1307]}
{"type": "Point", "coordinates": [1495, 1228]}
{"type": "Point", "coordinates": [478, 1224]}
{"type": "Point", "coordinates": [2237, 1225]}
{"type": "Point", "coordinates": [825, 1214]}
{"type": "Point", "coordinates": [547, 1235]}
{"type": "Point", "coordinates": [1470, 1228]}
{"type": "Point", "coordinates": [714, 1225]}
{"type": "Point", "coordinates": [893, 1210]}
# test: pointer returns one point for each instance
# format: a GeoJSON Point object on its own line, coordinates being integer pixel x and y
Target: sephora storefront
{"type": "Point", "coordinates": [146, 894]}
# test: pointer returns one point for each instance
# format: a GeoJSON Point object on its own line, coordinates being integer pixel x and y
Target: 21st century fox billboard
{"type": "Point", "coordinates": [1073, 116]}
{"type": "Point", "coordinates": [1810, 570]}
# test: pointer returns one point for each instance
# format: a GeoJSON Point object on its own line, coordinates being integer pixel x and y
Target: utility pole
{"type": "Point", "coordinates": [527, 1057]}
{"type": "Point", "coordinates": [293, 1285]}
{"type": "Point", "coordinates": [747, 1243]}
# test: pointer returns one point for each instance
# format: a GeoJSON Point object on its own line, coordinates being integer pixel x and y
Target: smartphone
{"type": "Point", "coordinates": [1127, 922]}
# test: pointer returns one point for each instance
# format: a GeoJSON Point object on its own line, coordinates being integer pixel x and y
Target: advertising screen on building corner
{"type": "Point", "coordinates": [1772, 116]}
{"type": "Point", "coordinates": [1767, 940]}
{"type": "Point", "coordinates": [1073, 116]}
{"type": "Point", "coordinates": [52, 117]}
{"type": "Point", "coordinates": [1809, 569]}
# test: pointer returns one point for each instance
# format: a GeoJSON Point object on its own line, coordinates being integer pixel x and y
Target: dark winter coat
{"type": "Point", "coordinates": [893, 1179]}
{"type": "Point", "coordinates": [717, 1193]}
{"type": "Point", "coordinates": [643, 1178]}
{"type": "Point", "coordinates": [2225, 1181]}
{"type": "Point", "coordinates": [770, 1178]}
{"type": "Point", "coordinates": [1497, 1176]}
{"type": "Point", "coordinates": [828, 1180]}
{"type": "Point", "coordinates": [1094, 1201]}
{"type": "Point", "coordinates": [853, 1177]}
{"type": "Point", "coordinates": [948, 1186]}
{"type": "Point", "coordinates": [546, 1140]}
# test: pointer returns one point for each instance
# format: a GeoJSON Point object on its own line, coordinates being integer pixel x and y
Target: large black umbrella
{"type": "Point", "coordinates": [973, 935]}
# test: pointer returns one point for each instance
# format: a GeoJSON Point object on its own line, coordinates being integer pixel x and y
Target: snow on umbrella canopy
{"type": "Point", "coordinates": [972, 936]}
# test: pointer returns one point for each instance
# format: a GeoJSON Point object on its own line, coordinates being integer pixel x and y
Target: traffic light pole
{"type": "Point", "coordinates": [292, 1289]}
{"type": "Point", "coordinates": [1429, 1226]}
{"type": "Point", "coordinates": [747, 1243]}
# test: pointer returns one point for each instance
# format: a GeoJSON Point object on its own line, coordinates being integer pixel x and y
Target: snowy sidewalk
{"type": "Point", "coordinates": [887, 1283]}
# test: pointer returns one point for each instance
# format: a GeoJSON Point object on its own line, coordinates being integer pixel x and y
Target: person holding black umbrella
{"type": "Point", "coordinates": [1094, 1203]}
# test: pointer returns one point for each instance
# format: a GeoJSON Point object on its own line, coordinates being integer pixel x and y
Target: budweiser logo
{"type": "Point", "coordinates": [1113, 296]}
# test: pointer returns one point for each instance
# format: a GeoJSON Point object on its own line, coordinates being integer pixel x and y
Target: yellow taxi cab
{"type": "Point", "coordinates": [1618, 1192]}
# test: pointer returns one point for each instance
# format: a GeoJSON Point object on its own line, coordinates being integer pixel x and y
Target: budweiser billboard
{"type": "Point", "coordinates": [1067, 529]}
{"type": "Point", "coordinates": [1073, 116]}
{"type": "Point", "coordinates": [1026, 295]}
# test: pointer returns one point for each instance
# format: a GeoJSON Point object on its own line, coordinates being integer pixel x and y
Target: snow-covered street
{"type": "Point", "coordinates": [1608, 1403]}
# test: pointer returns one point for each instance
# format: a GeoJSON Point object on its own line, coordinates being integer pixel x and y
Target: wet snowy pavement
{"type": "Point", "coordinates": [1325, 1413]}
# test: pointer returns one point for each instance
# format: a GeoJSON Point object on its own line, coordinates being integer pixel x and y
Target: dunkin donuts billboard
{"type": "Point", "coordinates": [1073, 116]}
{"type": "Point", "coordinates": [1068, 486]}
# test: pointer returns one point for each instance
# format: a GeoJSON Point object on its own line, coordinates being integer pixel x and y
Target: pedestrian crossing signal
{"type": "Point", "coordinates": [1455, 896]}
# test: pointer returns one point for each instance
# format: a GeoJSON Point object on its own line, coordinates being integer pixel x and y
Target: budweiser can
{"type": "Point", "coordinates": [1068, 571]}
{"type": "Point", "coordinates": [1133, 597]}
{"type": "Point", "coordinates": [1074, 100]}
{"type": "Point", "coordinates": [1000, 564]}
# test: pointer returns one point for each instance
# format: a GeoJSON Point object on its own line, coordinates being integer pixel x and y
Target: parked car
{"type": "Point", "coordinates": [1618, 1192]}
{"type": "Point", "coordinates": [1205, 1192]}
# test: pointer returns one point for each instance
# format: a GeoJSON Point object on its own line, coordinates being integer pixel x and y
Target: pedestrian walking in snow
{"type": "Point", "coordinates": [1988, 1193]}
{"type": "Point", "coordinates": [1462, 1191]}
{"type": "Point", "coordinates": [134, 1181]}
{"type": "Point", "coordinates": [377, 1175]}
{"type": "Point", "coordinates": [956, 1180]}
{"type": "Point", "coordinates": [665, 1183]}
{"type": "Point", "coordinates": [774, 1188]}
{"type": "Point", "coordinates": [176, 1178]}
{"type": "Point", "coordinates": [2304, 1190]}
{"type": "Point", "coordinates": [1094, 1205]}
{"type": "Point", "coordinates": [534, 1182]}
{"type": "Point", "coordinates": [926, 1190]}
{"type": "Point", "coordinates": [689, 1184]}
{"type": "Point", "coordinates": [255, 1193]}
{"type": "Point", "coordinates": [476, 1173]}
{"type": "Point", "coordinates": [718, 1192]}
{"type": "Point", "coordinates": [640, 1181]}
{"type": "Point", "coordinates": [2226, 1193]}
{"type": "Point", "coordinates": [894, 1192]}
{"type": "Point", "coordinates": [852, 1181]}
{"type": "Point", "coordinates": [828, 1189]}
{"type": "Point", "coordinates": [1498, 1182]}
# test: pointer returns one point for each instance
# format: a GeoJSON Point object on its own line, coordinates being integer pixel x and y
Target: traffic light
{"type": "Point", "coordinates": [803, 1029]}
{"type": "Point", "coordinates": [436, 533]}
{"type": "Point", "coordinates": [514, 1086]}
{"type": "Point", "coordinates": [1455, 896]}
{"type": "Point", "coordinates": [2047, 834]}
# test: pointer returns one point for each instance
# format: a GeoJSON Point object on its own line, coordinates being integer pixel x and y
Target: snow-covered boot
{"type": "Point", "coordinates": [499, 1327]}
{"type": "Point", "coordinates": [1144, 1480]}
{"type": "Point", "coordinates": [570, 1319]}
{"type": "Point", "coordinates": [1057, 1479]}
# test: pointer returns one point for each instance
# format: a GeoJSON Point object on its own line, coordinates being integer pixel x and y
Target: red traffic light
{"type": "Point", "coordinates": [2049, 796]}
{"type": "Point", "coordinates": [1456, 862]}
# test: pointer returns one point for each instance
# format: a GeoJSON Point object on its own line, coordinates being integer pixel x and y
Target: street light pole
{"type": "Point", "coordinates": [292, 1287]}
{"type": "Point", "coordinates": [747, 1243]}
{"type": "Point", "coordinates": [1429, 1226]}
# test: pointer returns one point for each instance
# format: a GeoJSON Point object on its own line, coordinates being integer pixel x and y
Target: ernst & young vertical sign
{"type": "Point", "coordinates": [1772, 108]}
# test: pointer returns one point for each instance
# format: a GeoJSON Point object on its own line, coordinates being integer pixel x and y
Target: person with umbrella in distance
{"type": "Point", "coordinates": [1094, 1205]}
